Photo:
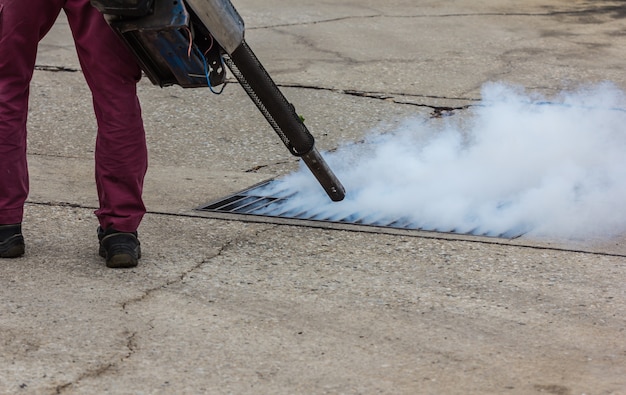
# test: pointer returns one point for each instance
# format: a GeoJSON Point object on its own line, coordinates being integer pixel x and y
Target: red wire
{"type": "Point", "coordinates": [210, 46]}
{"type": "Point", "coordinates": [190, 42]}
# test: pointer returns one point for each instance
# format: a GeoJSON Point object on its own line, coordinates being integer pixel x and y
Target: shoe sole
{"type": "Point", "coordinates": [121, 261]}
{"type": "Point", "coordinates": [13, 247]}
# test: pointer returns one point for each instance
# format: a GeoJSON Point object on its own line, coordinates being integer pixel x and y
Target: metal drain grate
{"type": "Point", "coordinates": [254, 202]}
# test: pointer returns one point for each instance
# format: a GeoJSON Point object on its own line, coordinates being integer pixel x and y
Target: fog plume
{"type": "Point", "coordinates": [515, 163]}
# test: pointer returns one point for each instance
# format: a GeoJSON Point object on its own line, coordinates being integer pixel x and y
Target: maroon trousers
{"type": "Point", "coordinates": [111, 73]}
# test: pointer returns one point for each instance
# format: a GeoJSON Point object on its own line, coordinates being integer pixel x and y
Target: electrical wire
{"type": "Point", "coordinates": [190, 42]}
{"type": "Point", "coordinates": [210, 46]}
{"type": "Point", "coordinates": [207, 72]}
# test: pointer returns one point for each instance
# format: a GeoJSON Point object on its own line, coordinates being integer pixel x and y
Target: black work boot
{"type": "Point", "coordinates": [11, 241]}
{"type": "Point", "coordinates": [119, 249]}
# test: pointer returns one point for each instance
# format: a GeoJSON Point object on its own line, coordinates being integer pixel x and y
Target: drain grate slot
{"type": "Point", "coordinates": [255, 202]}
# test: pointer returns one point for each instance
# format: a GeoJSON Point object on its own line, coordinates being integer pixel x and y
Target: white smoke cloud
{"type": "Point", "coordinates": [516, 163]}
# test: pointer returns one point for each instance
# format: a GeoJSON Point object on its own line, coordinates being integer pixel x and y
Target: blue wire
{"type": "Point", "coordinates": [207, 71]}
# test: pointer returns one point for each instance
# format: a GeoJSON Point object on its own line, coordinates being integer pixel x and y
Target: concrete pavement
{"type": "Point", "coordinates": [220, 306]}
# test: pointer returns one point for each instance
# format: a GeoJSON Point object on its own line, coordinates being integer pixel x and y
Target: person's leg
{"type": "Point", "coordinates": [112, 74]}
{"type": "Point", "coordinates": [121, 155]}
{"type": "Point", "coordinates": [22, 25]}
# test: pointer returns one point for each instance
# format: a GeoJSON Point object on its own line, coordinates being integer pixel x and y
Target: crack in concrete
{"type": "Point", "coordinates": [98, 371]}
{"type": "Point", "coordinates": [225, 247]}
{"type": "Point", "coordinates": [617, 10]}
{"type": "Point", "coordinates": [56, 69]}
{"type": "Point", "coordinates": [438, 111]}
{"type": "Point", "coordinates": [102, 369]}
{"type": "Point", "coordinates": [373, 94]}
{"type": "Point", "coordinates": [254, 169]}
{"type": "Point", "coordinates": [59, 155]}
{"type": "Point", "coordinates": [131, 343]}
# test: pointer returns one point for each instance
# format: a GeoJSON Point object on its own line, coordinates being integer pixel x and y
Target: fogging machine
{"type": "Point", "coordinates": [189, 43]}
